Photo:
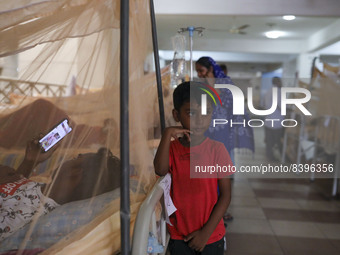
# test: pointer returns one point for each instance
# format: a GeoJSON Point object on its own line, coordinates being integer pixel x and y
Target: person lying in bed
{"type": "Point", "coordinates": [88, 175]}
{"type": "Point", "coordinates": [39, 116]}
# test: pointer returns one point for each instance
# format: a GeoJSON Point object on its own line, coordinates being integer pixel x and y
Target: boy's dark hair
{"type": "Point", "coordinates": [186, 91]}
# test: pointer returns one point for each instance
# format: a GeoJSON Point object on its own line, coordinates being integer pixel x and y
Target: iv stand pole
{"type": "Point", "coordinates": [191, 33]}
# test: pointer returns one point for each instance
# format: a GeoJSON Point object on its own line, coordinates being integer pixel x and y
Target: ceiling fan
{"type": "Point", "coordinates": [233, 30]}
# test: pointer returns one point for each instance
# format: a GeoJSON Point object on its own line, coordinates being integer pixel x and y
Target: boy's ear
{"type": "Point", "coordinates": [175, 114]}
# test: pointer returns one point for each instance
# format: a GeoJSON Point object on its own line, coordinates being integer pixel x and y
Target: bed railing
{"type": "Point", "coordinates": [325, 137]}
{"type": "Point", "coordinates": [146, 222]}
{"type": "Point", "coordinates": [28, 88]}
{"type": "Point", "coordinates": [327, 134]}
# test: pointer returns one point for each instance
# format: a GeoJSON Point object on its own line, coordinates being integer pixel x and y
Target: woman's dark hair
{"type": "Point", "coordinates": [277, 82]}
{"type": "Point", "coordinates": [224, 68]}
{"type": "Point", "coordinates": [101, 173]}
{"type": "Point", "coordinates": [204, 61]}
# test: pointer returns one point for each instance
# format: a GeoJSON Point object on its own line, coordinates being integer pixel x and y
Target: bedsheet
{"type": "Point", "coordinates": [51, 228]}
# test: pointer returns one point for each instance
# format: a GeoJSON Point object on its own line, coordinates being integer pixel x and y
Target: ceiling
{"type": "Point", "coordinates": [315, 27]}
{"type": "Point", "coordinates": [300, 28]}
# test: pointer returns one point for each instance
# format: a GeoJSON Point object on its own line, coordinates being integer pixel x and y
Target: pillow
{"type": "Point", "coordinates": [52, 227]}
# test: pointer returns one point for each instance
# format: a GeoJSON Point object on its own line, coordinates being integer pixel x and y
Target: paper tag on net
{"type": "Point", "coordinates": [169, 205]}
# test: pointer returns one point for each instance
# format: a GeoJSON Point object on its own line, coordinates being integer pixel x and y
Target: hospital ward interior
{"type": "Point", "coordinates": [103, 72]}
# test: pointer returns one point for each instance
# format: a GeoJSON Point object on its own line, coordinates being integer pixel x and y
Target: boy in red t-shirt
{"type": "Point", "coordinates": [201, 196]}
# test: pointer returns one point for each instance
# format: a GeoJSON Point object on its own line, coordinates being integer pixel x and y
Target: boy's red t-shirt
{"type": "Point", "coordinates": [195, 198]}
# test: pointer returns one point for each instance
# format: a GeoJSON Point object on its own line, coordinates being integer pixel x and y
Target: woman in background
{"type": "Point", "coordinates": [237, 136]}
{"type": "Point", "coordinates": [233, 137]}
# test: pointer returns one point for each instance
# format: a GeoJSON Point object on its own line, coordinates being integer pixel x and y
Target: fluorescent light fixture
{"type": "Point", "coordinates": [288, 17]}
{"type": "Point", "coordinates": [274, 34]}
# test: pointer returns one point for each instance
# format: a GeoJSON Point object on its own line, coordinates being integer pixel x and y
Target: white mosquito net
{"type": "Point", "coordinates": [60, 59]}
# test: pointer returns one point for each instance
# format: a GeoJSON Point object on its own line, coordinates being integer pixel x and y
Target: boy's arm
{"type": "Point", "coordinates": [161, 161]}
{"type": "Point", "coordinates": [198, 239]}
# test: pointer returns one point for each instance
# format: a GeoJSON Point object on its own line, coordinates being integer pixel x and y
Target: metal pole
{"type": "Point", "coordinates": [191, 34]}
{"type": "Point", "coordinates": [157, 66]}
{"type": "Point", "coordinates": [312, 71]}
{"type": "Point", "coordinates": [124, 128]}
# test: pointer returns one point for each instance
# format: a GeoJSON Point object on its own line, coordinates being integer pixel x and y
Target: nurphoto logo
{"type": "Point", "coordinates": [239, 109]}
{"type": "Point", "coordinates": [212, 93]}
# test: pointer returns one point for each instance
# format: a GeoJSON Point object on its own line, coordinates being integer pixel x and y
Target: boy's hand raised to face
{"type": "Point", "coordinates": [161, 161]}
{"type": "Point", "coordinates": [177, 131]}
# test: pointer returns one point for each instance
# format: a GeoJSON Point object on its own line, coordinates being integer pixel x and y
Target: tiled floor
{"type": "Point", "coordinates": [290, 216]}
